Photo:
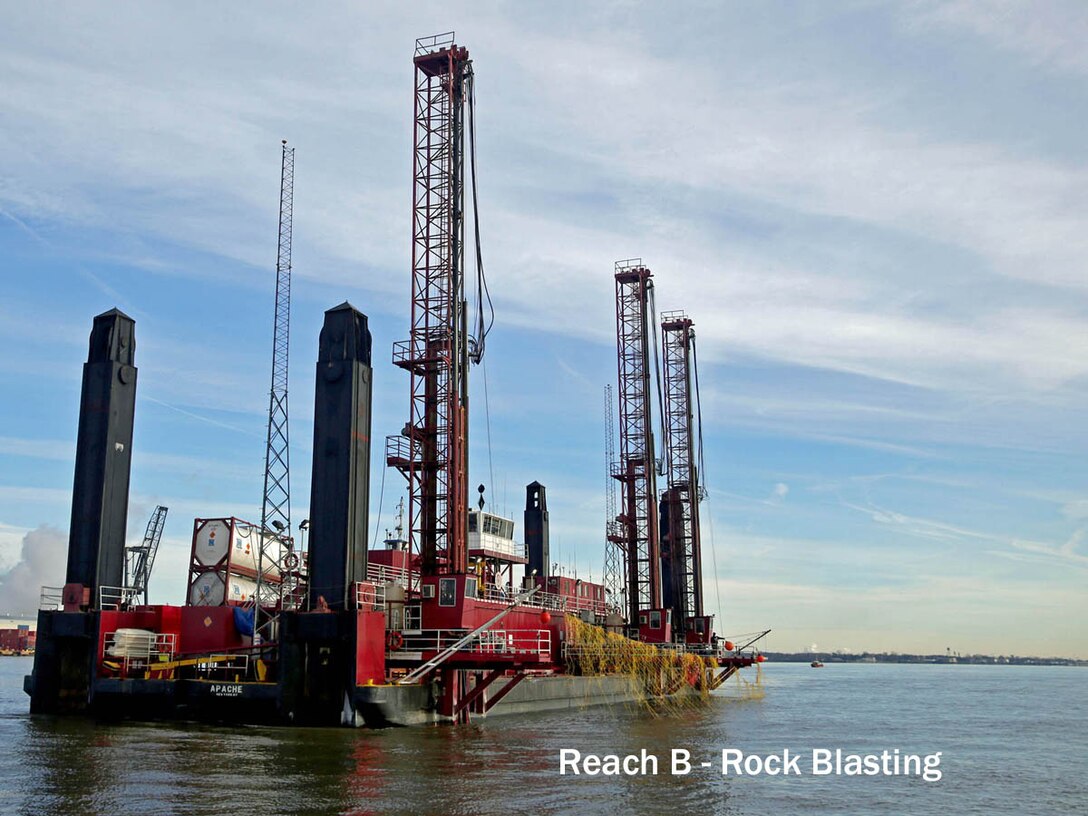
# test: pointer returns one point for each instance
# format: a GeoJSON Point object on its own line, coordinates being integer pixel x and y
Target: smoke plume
{"type": "Point", "coordinates": [42, 562]}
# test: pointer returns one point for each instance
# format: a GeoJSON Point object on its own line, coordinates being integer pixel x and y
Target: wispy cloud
{"type": "Point", "coordinates": [1047, 34]}
{"type": "Point", "coordinates": [943, 531]}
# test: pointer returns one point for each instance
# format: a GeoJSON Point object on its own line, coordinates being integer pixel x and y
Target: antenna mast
{"type": "Point", "coordinates": [276, 542]}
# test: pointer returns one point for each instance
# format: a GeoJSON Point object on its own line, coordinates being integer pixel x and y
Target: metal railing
{"type": "Point", "coordinates": [413, 618]}
{"type": "Point", "coordinates": [118, 597]}
{"type": "Point", "coordinates": [492, 641]}
{"type": "Point", "coordinates": [369, 595]}
{"type": "Point", "coordinates": [382, 574]}
{"type": "Point", "coordinates": [223, 666]}
{"type": "Point", "coordinates": [398, 448]}
{"type": "Point", "coordinates": [134, 650]}
{"type": "Point", "coordinates": [427, 45]}
{"type": "Point", "coordinates": [701, 649]}
{"type": "Point", "coordinates": [52, 598]}
{"type": "Point", "coordinates": [542, 600]}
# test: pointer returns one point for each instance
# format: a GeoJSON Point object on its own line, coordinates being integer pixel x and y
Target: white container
{"type": "Point", "coordinates": [237, 541]}
{"type": "Point", "coordinates": [218, 588]}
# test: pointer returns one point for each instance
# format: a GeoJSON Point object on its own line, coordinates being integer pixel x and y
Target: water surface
{"type": "Point", "coordinates": [1013, 740]}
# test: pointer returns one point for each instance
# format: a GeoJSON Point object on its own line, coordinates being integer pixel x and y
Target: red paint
{"type": "Point", "coordinates": [369, 647]}
{"type": "Point", "coordinates": [648, 633]}
{"type": "Point", "coordinates": [395, 559]}
{"type": "Point", "coordinates": [208, 629]}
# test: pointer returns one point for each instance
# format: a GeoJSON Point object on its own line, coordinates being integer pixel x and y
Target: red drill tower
{"type": "Point", "coordinates": [680, 553]}
{"type": "Point", "coordinates": [432, 449]}
{"type": "Point", "coordinates": [635, 468]}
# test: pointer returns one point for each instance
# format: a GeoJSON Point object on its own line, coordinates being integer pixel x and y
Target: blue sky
{"type": "Point", "coordinates": [874, 212]}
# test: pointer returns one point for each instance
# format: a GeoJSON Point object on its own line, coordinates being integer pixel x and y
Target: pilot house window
{"type": "Point", "coordinates": [447, 592]}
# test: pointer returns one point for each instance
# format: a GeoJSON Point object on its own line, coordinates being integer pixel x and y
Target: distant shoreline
{"type": "Point", "coordinates": [935, 659]}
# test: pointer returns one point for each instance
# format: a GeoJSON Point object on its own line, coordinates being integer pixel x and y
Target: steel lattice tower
{"type": "Point", "coordinates": [635, 468]}
{"type": "Point", "coordinates": [276, 506]}
{"type": "Point", "coordinates": [680, 548]}
{"type": "Point", "coordinates": [432, 451]}
{"type": "Point", "coordinates": [614, 561]}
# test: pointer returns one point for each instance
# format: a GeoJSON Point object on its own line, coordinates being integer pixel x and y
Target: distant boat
{"type": "Point", "coordinates": [816, 664]}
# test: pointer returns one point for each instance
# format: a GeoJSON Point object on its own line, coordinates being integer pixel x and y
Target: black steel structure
{"type": "Point", "coordinates": [339, 490]}
{"type": "Point", "coordinates": [96, 553]}
{"type": "Point", "coordinates": [536, 529]}
{"type": "Point", "coordinates": [681, 553]}
{"type": "Point", "coordinates": [64, 656]}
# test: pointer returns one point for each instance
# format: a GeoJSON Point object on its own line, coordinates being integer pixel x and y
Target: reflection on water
{"type": "Point", "coordinates": [992, 723]}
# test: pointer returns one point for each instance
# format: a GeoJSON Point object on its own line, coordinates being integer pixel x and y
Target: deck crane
{"type": "Point", "coordinates": [681, 554]}
{"type": "Point", "coordinates": [636, 466]}
{"type": "Point", "coordinates": [140, 558]}
{"type": "Point", "coordinates": [276, 557]}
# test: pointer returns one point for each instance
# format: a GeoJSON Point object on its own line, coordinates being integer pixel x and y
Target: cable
{"type": "Point", "coordinates": [481, 326]}
{"type": "Point", "coordinates": [699, 414]}
{"type": "Point", "coordinates": [660, 463]}
{"type": "Point", "coordinates": [703, 491]}
{"type": "Point", "coordinates": [381, 499]}
{"type": "Point", "coordinates": [487, 415]}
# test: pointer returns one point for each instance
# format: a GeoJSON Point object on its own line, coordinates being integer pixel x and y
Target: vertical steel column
{"type": "Point", "coordinates": [536, 530]}
{"type": "Point", "coordinates": [340, 481]}
{"type": "Point", "coordinates": [96, 543]}
{"type": "Point", "coordinates": [432, 451]}
{"type": "Point", "coordinates": [635, 468]}
{"type": "Point", "coordinates": [680, 502]}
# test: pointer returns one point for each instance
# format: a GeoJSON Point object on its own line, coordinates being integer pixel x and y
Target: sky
{"type": "Point", "coordinates": [873, 212]}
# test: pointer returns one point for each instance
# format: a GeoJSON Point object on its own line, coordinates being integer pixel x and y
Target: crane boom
{"type": "Point", "coordinates": [140, 558]}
